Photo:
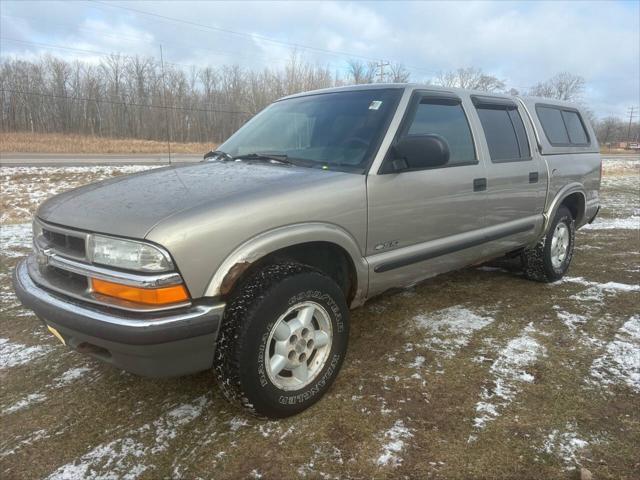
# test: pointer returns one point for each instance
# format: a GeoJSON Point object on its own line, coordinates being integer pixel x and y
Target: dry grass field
{"type": "Point", "coordinates": [22, 142]}
{"type": "Point", "coordinates": [61, 143]}
{"type": "Point", "coordinates": [473, 374]}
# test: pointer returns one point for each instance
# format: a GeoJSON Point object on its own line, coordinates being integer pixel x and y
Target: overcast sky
{"type": "Point", "coordinates": [521, 43]}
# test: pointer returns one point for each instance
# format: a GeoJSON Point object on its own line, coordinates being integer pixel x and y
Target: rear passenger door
{"type": "Point", "coordinates": [516, 176]}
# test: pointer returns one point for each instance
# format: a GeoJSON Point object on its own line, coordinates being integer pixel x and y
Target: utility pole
{"type": "Point", "coordinates": [631, 115]}
{"type": "Point", "coordinates": [381, 64]}
{"type": "Point", "coordinates": [164, 104]}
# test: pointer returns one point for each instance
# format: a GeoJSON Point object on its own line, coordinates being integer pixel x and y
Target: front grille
{"type": "Point", "coordinates": [66, 279]}
{"type": "Point", "coordinates": [65, 243]}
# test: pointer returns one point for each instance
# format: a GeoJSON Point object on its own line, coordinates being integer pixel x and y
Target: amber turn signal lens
{"type": "Point", "coordinates": [151, 296]}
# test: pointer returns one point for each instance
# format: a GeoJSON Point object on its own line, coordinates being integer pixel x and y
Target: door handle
{"type": "Point", "coordinates": [533, 177]}
{"type": "Point", "coordinates": [479, 184]}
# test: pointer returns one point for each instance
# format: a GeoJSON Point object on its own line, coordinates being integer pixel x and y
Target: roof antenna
{"type": "Point", "coordinates": [164, 104]}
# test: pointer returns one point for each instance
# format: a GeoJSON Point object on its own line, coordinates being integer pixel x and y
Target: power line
{"type": "Point", "coordinates": [138, 39]}
{"type": "Point", "coordinates": [254, 36]}
{"type": "Point", "coordinates": [234, 32]}
{"type": "Point", "coordinates": [80, 50]}
{"type": "Point", "coordinates": [125, 104]}
{"type": "Point", "coordinates": [228, 31]}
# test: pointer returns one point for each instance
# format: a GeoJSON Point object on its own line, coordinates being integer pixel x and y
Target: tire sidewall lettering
{"type": "Point", "coordinates": [318, 385]}
{"type": "Point", "coordinates": [314, 388]}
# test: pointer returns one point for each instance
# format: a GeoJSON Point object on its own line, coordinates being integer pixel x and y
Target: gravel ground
{"type": "Point", "coordinates": [474, 374]}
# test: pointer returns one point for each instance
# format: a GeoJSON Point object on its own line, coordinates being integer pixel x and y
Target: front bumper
{"type": "Point", "coordinates": [175, 343]}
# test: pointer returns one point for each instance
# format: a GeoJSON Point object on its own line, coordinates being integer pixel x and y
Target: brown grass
{"type": "Point", "coordinates": [23, 142]}
{"type": "Point", "coordinates": [617, 151]}
{"type": "Point", "coordinates": [68, 143]}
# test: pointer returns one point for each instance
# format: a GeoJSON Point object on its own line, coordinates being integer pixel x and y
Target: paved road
{"type": "Point", "coordinates": [61, 159]}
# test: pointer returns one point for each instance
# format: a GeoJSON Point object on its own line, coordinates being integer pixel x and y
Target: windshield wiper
{"type": "Point", "coordinates": [276, 157]}
{"type": "Point", "coordinates": [215, 154]}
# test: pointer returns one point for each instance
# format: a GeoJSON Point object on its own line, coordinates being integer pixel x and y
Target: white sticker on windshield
{"type": "Point", "coordinates": [375, 105]}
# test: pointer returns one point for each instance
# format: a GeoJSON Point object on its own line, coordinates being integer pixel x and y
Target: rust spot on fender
{"type": "Point", "coordinates": [232, 275]}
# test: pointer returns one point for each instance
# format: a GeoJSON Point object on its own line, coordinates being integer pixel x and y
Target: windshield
{"type": "Point", "coordinates": [331, 130]}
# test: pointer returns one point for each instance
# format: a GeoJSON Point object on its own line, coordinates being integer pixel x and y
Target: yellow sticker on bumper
{"type": "Point", "coordinates": [56, 334]}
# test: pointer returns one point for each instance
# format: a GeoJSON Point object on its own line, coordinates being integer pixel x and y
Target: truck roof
{"type": "Point", "coordinates": [425, 86]}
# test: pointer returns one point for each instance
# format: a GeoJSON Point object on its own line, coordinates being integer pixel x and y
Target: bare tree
{"type": "Point", "coordinates": [359, 72]}
{"type": "Point", "coordinates": [471, 78]}
{"type": "Point", "coordinates": [613, 129]}
{"type": "Point", "coordinates": [563, 86]}
{"type": "Point", "coordinates": [123, 96]}
{"type": "Point", "coordinates": [398, 73]}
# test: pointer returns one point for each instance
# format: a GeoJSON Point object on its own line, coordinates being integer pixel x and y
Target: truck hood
{"type": "Point", "coordinates": [132, 205]}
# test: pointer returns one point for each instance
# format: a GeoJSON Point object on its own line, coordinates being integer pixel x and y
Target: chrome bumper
{"type": "Point", "coordinates": [165, 344]}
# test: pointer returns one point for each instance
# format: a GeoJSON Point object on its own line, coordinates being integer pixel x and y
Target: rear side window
{"type": "Point", "coordinates": [562, 127]}
{"type": "Point", "coordinates": [447, 119]}
{"type": "Point", "coordinates": [505, 134]}
{"type": "Point", "coordinates": [575, 129]}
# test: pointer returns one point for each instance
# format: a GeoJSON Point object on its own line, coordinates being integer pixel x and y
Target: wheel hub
{"type": "Point", "coordinates": [560, 242]}
{"type": "Point", "coordinates": [299, 344]}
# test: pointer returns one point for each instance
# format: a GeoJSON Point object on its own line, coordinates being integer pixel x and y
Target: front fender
{"type": "Point", "coordinates": [288, 236]}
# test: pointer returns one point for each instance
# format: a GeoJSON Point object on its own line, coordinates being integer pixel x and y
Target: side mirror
{"type": "Point", "coordinates": [416, 152]}
{"type": "Point", "coordinates": [210, 154]}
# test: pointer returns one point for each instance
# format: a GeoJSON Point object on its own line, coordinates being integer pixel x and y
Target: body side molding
{"type": "Point", "coordinates": [452, 248]}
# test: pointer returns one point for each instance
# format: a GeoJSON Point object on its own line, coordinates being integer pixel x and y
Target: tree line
{"type": "Point", "coordinates": [139, 97]}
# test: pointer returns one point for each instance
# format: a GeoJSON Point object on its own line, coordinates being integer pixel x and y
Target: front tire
{"type": "Point", "coordinates": [283, 340]}
{"type": "Point", "coordinates": [549, 260]}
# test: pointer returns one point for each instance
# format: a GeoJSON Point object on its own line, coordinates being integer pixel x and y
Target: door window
{"type": "Point", "coordinates": [446, 118]}
{"type": "Point", "coordinates": [505, 134]}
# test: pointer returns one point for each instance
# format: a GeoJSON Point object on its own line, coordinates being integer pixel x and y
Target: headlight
{"type": "Point", "coordinates": [129, 255]}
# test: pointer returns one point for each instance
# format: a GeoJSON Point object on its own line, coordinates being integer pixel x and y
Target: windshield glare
{"type": "Point", "coordinates": [331, 130]}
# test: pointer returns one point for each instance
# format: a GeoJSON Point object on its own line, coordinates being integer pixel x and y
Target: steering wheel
{"type": "Point", "coordinates": [355, 140]}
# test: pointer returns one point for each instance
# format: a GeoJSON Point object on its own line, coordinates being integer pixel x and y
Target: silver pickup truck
{"type": "Point", "coordinates": [248, 262]}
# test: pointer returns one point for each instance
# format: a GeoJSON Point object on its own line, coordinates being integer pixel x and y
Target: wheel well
{"type": "Point", "coordinates": [329, 258]}
{"type": "Point", "coordinates": [575, 204]}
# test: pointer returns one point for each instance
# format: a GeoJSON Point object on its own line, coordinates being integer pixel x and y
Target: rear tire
{"type": "Point", "coordinates": [549, 260]}
{"type": "Point", "coordinates": [283, 340]}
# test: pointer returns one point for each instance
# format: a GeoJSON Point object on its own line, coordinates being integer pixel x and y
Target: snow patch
{"type": "Point", "coordinates": [14, 354]}
{"type": "Point", "coordinates": [236, 423]}
{"type": "Point", "coordinates": [418, 362]}
{"type": "Point", "coordinates": [596, 291]}
{"type": "Point", "coordinates": [451, 328]}
{"type": "Point", "coordinates": [565, 445]}
{"type": "Point", "coordinates": [509, 373]}
{"type": "Point", "coordinates": [600, 223]}
{"type": "Point", "coordinates": [620, 363]}
{"type": "Point", "coordinates": [571, 320]}
{"type": "Point", "coordinates": [328, 454]}
{"type": "Point", "coordinates": [24, 403]}
{"type": "Point", "coordinates": [15, 239]}
{"type": "Point", "coordinates": [395, 441]}
{"type": "Point", "coordinates": [71, 376]}
{"type": "Point", "coordinates": [123, 457]}
{"type": "Point", "coordinates": [25, 441]}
